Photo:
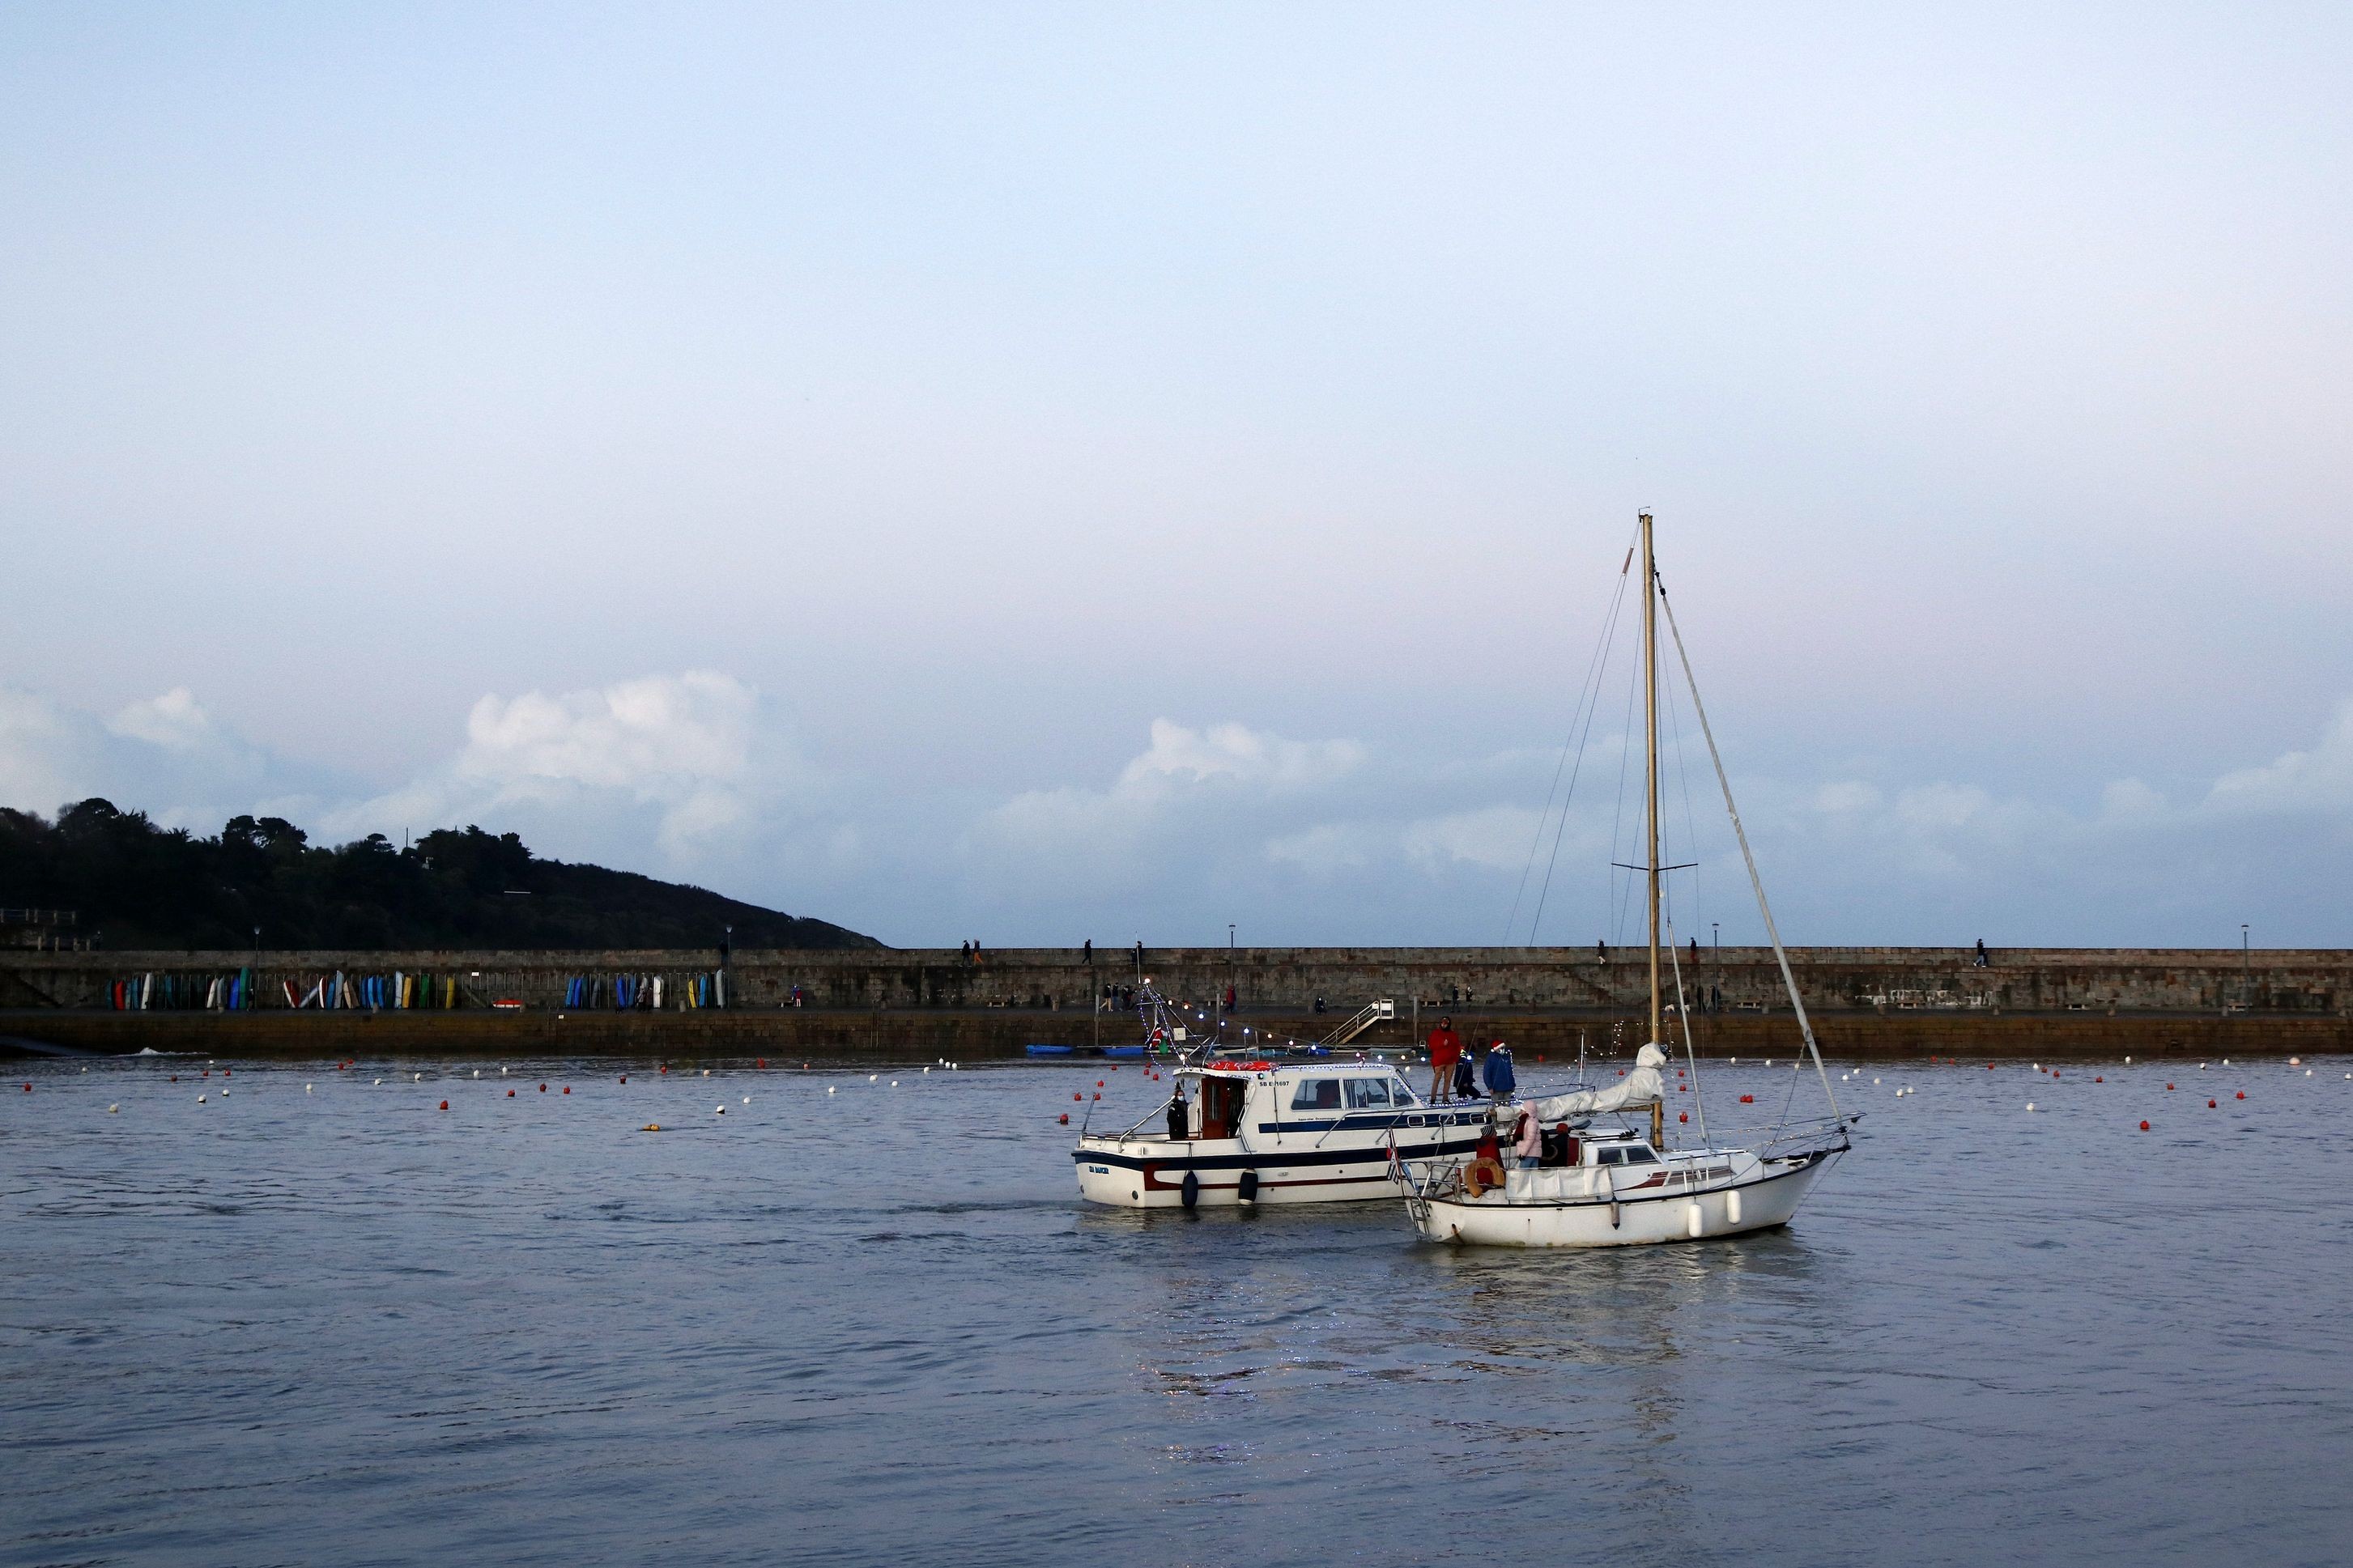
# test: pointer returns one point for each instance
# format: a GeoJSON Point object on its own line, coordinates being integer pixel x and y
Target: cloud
{"type": "Point", "coordinates": [689, 775]}
{"type": "Point", "coordinates": [1227, 780]}
{"type": "Point", "coordinates": [166, 755]}
{"type": "Point", "coordinates": [1325, 849]}
{"type": "Point", "coordinates": [175, 721]}
{"type": "Point", "coordinates": [1847, 796]}
{"type": "Point", "coordinates": [48, 756]}
{"type": "Point", "coordinates": [1240, 753]}
{"type": "Point", "coordinates": [681, 759]}
{"type": "Point", "coordinates": [1496, 837]}
{"type": "Point", "coordinates": [2318, 780]}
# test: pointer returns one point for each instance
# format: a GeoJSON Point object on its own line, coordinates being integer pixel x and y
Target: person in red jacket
{"type": "Point", "coordinates": [1445, 1050]}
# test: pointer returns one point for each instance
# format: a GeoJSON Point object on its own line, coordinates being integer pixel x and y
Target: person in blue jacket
{"type": "Point", "coordinates": [1500, 1080]}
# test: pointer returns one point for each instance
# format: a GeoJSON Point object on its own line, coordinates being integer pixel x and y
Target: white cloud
{"type": "Point", "coordinates": [1941, 807]}
{"type": "Point", "coordinates": [2318, 780]}
{"type": "Point", "coordinates": [1322, 849]}
{"type": "Point", "coordinates": [1497, 837]}
{"type": "Point", "coordinates": [1238, 752]}
{"type": "Point", "coordinates": [653, 737]}
{"type": "Point", "coordinates": [2131, 802]}
{"type": "Point", "coordinates": [47, 756]}
{"type": "Point", "coordinates": [685, 774]}
{"type": "Point", "coordinates": [686, 752]}
{"type": "Point", "coordinates": [1224, 777]}
{"type": "Point", "coordinates": [175, 721]}
{"type": "Point", "coordinates": [1844, 795]}
{"type": "Point", "coordinates": [166, 755]}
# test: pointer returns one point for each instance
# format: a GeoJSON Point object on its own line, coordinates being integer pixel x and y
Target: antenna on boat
{"type": "Point", "coordinates": [1650, 790]}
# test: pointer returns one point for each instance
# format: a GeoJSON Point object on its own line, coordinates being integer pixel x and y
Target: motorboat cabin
{"type": "Point", "coordinates": [1288, 1132]}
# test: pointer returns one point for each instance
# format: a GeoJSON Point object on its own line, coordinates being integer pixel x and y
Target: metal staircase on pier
{"type": "Point", "coordinates": [1371, 1013]}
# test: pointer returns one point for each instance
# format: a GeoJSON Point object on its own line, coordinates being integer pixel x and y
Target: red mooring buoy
{"type": "Point", "coordinates": [2144, 1126]}
{"type": "Point", "coordinates": [2210, 1105]}
{"type": "Point", "coordinates": [445, 1105]}
{"type": "Point", "coordinates": [2243, 1094]}
{"type": "Point", "coordinates": [1064, 1118]}
{"type": "Point", "coordinates": [542, 1088]}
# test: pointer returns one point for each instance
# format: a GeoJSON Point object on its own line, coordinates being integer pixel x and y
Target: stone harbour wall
{"type": "Point", "coordinates": [1579, 980]}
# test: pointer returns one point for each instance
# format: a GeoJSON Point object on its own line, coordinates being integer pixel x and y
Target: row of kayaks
{"type": "Point", "coordinates": [240, 990]}
{"type": "Point", "coordinates": [650, 991]}
{"type": "Point", "coordinates": [234, 991]}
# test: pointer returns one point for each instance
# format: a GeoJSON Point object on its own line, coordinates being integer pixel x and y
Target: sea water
{"type": "Point", "coordinates": [876, 1325]}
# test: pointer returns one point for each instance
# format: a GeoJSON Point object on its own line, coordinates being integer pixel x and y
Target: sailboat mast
{"type": "Point", "coordinates": [1651, 771]}
{"type": "Point", "coordinates": [1651, 795]}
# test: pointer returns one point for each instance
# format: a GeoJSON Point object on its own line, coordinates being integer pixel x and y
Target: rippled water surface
{"type": "Point", "coordinates": [875, 1325]}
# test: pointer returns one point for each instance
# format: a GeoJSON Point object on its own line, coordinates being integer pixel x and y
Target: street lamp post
{"type": "Point", "coordinates": [1231, 972]}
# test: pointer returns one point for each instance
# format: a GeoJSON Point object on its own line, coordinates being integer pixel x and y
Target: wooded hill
{"type": "Point", "coordinates": [136, 885]}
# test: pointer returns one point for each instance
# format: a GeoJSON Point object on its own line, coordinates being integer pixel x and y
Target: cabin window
{"type": "Point", "coordinates": [1369, 1092]}
{"type": "Point", "coordinates": [1609, 1156]}
{"type": "Point", "coordinates": [1401, 1094]}
{"type": "Point", "coordinates": [1640, 1155]}
{"type": "Point", "coordinates": [1317, 1094]}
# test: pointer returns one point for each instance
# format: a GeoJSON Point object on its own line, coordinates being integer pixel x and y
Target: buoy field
{"type": "Point", "coordinates": [573, 1309]}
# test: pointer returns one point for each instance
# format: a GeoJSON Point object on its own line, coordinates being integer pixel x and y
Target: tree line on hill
{"type": "Point", "coordinates": [135, 885]}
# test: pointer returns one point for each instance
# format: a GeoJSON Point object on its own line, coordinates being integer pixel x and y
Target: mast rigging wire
{"type": "Point", "coordinates": [1588, 702]}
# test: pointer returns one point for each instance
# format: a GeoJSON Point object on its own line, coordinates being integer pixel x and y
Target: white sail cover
{"type": "Point", "coordinates": [1643, 1086]}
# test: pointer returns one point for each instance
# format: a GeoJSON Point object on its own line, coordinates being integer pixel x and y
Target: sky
{"type": "Point", "coordinates": [1035, 473]}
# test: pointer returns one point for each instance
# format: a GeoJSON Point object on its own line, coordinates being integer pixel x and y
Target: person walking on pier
{"type": "Point", "coordinates": [1445, 1051]}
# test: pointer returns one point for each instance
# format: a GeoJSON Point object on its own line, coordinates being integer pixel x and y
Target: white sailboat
{"type": "Point", "coordinates": [1615, 1187]}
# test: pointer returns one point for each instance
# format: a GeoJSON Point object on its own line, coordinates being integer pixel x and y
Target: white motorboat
{"type": "Point", "coordinates": [1277, 1131]}
{"type": "Point", "coordinates": [1617, 1187]}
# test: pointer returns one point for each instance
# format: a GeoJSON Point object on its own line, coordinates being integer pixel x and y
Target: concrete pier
{"type": "Point", "coordinates": [924, 1003]}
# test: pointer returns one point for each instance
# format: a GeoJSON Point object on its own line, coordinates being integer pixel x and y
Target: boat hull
{"type": "Point", "coordinates": [1763, 1201]}
{"type": "Point", "coordinates": [1152, 1175]}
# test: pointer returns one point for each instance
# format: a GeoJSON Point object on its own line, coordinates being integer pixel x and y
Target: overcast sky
{"type": "Point", "coordinates": [1038, 473]}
